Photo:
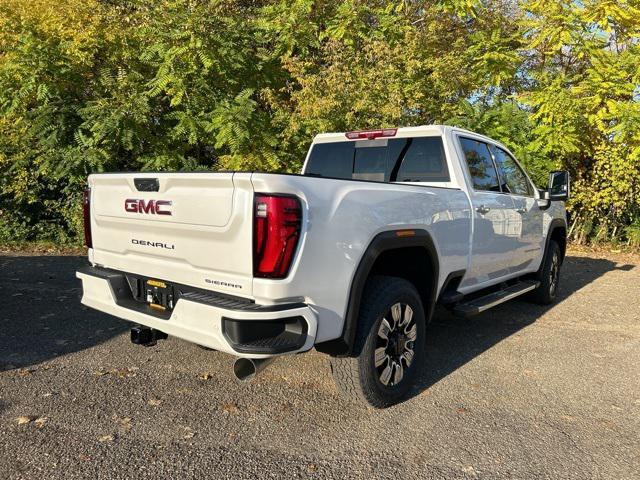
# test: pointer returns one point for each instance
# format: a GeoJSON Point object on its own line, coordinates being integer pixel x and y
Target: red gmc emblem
{"type": "Point", "coordinates": [154, 207]}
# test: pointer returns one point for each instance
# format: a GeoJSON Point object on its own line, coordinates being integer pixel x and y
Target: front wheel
{"type": "Point", "coordinates": [390, 344]}
{"type": "Point", "coordinates": [549, 276]}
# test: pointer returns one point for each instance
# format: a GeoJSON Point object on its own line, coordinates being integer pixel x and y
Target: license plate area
{"type": "Point", "coordinates": [159, 295]}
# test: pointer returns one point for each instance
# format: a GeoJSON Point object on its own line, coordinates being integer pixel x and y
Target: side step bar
{"type": "Point", "coordinates": [479, 305]}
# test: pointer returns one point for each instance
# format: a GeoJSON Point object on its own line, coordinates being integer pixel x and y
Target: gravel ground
{"type": "Point", "coordinates": [521, 391]}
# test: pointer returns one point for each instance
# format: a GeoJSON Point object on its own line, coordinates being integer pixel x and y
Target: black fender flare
{"type": "Point", "coordinates": [384, 241]}
{"type": "Point", "coordinates": [555, 223]}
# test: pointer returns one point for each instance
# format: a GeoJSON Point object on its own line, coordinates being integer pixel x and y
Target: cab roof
{"type": "Point", "coordinates": [404, 132]}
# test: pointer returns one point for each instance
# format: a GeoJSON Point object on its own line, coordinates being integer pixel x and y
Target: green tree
{"type": "Point", "coordinates": [92, 86]}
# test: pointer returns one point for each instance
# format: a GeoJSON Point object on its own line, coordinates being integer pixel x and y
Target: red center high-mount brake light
{"type": "Point", "coordinates": [277, 220]}
{"type": "Point", "coordinates": [371, 134]}
{"type": "Point", "coordinates": [86, 214]}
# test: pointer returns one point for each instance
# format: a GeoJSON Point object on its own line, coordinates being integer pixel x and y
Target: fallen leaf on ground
{"type": "Point", "coordinates": [40, 421]}
{"type": "Point", "coordinates": [126, 423]}
{"type": "Point", "coordinates": [22, 419]}
{"type": "Point", "coordinates": [230, 408]}
{"type": "Point", "coordinates": [154, 402]}
{"type": "Point", "coordinates": [188, 433]}
{"type": "Point", "coordinates": [125, 372]}
{"type": "Point", "coordinates": [205, 376]}
{"type": "Point", "coordinates": [24, 372]}
{"type": "Point", "coordinates": [105, 438]}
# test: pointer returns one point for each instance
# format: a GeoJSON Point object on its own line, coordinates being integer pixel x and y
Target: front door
{"type": "Point", "coordinates": [515, 182]}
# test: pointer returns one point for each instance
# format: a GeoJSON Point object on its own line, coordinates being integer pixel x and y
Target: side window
{"type": "Point", "coordinates": [481, 167]}
{"type": "Point", "coordinates": [511, 174]}
{"type": "Point", "coordinates": [424, 161]}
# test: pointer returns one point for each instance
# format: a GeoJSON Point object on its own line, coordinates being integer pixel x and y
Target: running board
{"type": "Point", "coordinates": [479, 305]}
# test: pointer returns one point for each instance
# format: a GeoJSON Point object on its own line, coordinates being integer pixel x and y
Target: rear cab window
{"type": "Point", "coordinates": [406, 160]}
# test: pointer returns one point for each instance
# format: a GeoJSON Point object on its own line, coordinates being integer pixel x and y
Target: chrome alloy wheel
{"type": "Point", "coordinates": [396, 337]}
{"type": "Point", "coordinates": [554, 273]}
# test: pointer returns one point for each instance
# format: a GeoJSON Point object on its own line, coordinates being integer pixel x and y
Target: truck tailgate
{"type": "Point", "coordinates": [187, 228]}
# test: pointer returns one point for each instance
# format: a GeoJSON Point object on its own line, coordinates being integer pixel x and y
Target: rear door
{"type": "Point", "coordinates": [495, 222]}
{"type": "Point", "coordinates": [188, 228]}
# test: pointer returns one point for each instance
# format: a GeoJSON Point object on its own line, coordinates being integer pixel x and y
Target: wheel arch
{"type": "Point", "coordinates": [557, 231]}
{"type": "Point", "coordinates": [388, 254]}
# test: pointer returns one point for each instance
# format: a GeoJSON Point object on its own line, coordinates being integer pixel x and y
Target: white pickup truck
{"type": "Point", "coordinates": [350, 257]}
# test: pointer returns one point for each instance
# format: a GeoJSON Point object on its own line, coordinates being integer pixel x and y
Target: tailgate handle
{"type": "Point", "coordinates": [147, 184]}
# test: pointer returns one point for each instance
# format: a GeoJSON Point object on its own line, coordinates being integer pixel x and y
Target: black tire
{"type": "Point", "coordinates": [358, 377]}
{"type": "Point", "coordinates": [548, 276]}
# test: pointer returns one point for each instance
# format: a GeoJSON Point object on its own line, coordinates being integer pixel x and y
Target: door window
{"type": "Point", "coordinates": [481, 166]}
{"type": "Point", "coordinates": [513, 179]}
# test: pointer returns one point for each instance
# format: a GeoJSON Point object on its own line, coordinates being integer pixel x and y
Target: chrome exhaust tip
{"type": "Point", "coordinates": [245, 369]}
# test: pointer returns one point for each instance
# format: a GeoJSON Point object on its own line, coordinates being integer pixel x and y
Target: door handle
{"type": "Point", "coordinates": [482, 209]}
{"type": "Point", "coordinates": [521, 210]}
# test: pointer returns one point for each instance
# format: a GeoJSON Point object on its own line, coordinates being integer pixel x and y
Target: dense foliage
{"type": "Point", "coordinates": [104, 85]}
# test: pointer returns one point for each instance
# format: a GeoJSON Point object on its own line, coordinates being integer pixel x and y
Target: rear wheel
{"type": "Point", "coordinates": [549, 276]}
{"type": "Point", "coordinates": [389, 344]}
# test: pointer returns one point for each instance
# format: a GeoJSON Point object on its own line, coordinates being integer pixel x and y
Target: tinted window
{"type": "Point", "coordinates": [331, 160]}
{"type": "Point", "coordinates": [481, 168]}
{"type": "Point", "coordinates": [370, 163]}
{"type": "Point", "coordinates": [423, 161]}
{"type": "Point", "coordinates": [401, 159]}
{"type": "Point", "coordinates": [513, 178]}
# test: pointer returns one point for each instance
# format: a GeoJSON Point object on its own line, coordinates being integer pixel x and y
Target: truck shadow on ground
{"type": "Point", "coordinates": [41, 316]}
{"type": "Point", "coordinates": [452, 341]}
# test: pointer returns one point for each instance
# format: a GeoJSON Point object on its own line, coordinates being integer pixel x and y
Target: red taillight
{"type": "Point", "coordinates": [86, 211]}
{"type": "Point", "coordinates": [277, 220]}
{"type": "Point", "coordinates": [371, 134]}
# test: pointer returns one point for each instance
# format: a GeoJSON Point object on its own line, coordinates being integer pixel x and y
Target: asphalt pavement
{"type": "Point", "coordinates": [521, 391]}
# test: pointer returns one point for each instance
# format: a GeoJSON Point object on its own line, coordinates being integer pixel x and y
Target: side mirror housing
{"type": "Point", "coordinates": [559, 185]}
{"type": "Point", "coordinates": [543, 201]}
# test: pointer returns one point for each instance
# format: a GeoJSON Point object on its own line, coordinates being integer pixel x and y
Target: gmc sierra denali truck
{"type": "Point", "coordinates": [350, 257]}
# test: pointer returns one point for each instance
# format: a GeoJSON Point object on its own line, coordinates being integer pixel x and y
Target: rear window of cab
{"type": "Point", "coordinates": [417, 159]}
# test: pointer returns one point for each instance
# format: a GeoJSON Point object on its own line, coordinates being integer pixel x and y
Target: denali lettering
{"type": "Point", "coordinates": [155, 207]}
{"type": "Point", "coordinates": [153, 244]}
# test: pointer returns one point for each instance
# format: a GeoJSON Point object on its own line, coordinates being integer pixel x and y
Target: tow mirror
{"type": "Point", "coordinates": [559, 185]}
{"type": "Point", "coordinates": [543, 201]}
